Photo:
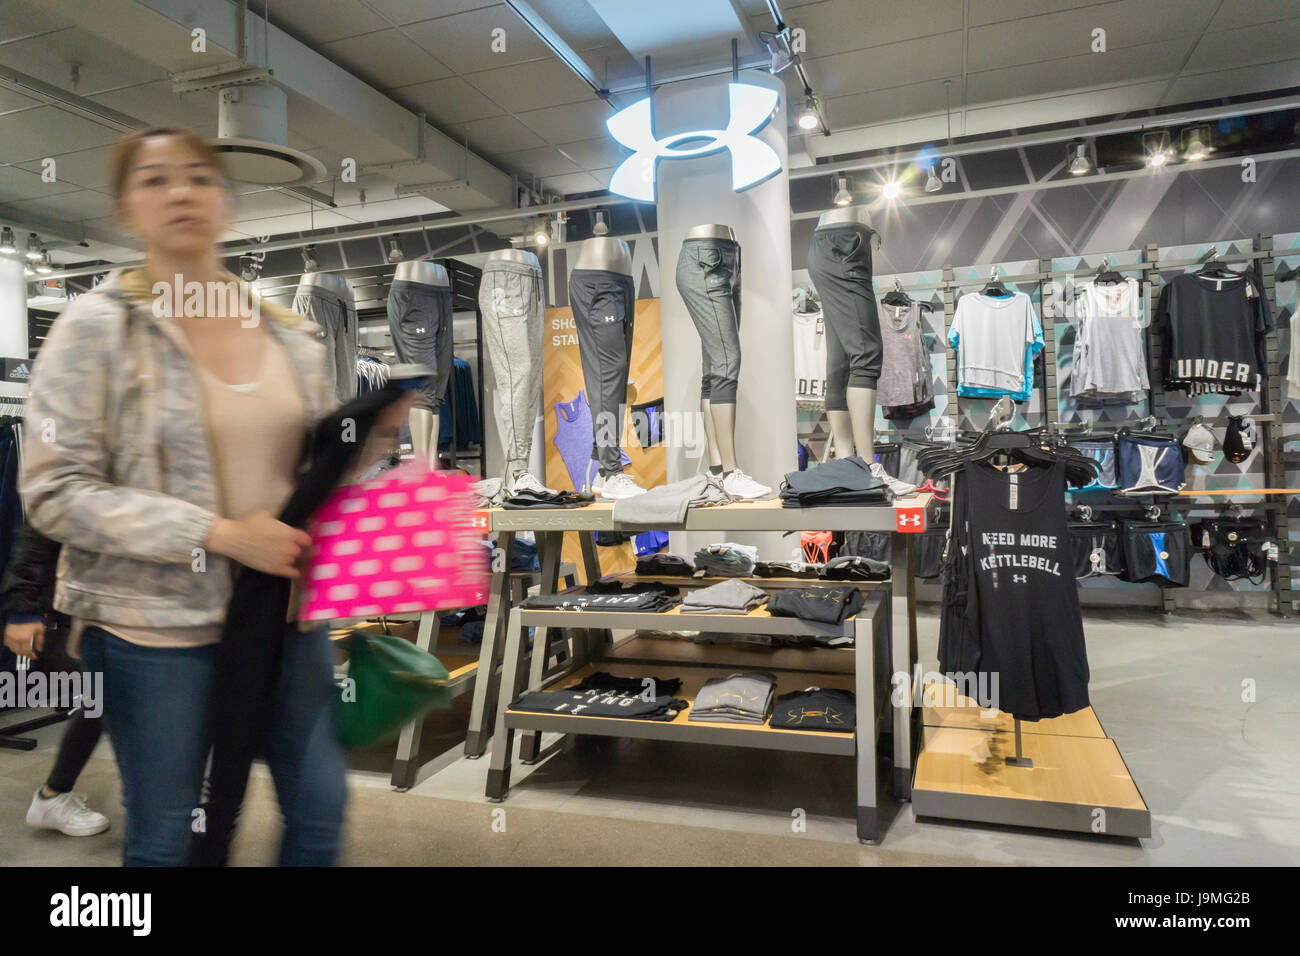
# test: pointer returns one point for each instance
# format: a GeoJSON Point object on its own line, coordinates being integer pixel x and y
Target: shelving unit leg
{"type": "Point", "coordinates": [407, 762]}
{"type": "Point", "coordinates": [549, 545]}
{"type": "Point", "coordinates": [867, 734]}
{"type": "Point", "coordinates": [512, 669]}
{"type": "Point", "coordinates": [483, 706]}
{"type": "Point", "coordinates": [591, 567]}
{"type": "Point", "coordinates": [904, 723]}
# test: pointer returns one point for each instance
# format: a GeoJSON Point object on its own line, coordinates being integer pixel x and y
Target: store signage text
{"type": "Point", "coordinates": [752, 160]}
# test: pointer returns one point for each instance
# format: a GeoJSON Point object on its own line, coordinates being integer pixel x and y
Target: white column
{"type": "Point", "coordinates": [13, 318]}
{"type": "Point", "coordinates": [698, 191]}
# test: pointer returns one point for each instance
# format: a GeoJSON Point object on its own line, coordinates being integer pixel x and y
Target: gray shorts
{"type": "Point", "coordinates": [419, 318]}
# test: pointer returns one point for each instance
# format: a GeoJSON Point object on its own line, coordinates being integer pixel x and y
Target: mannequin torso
{"type": "Point", "coordinates": [422, 271]}
{"type": "Point", "coordinates": [711, 231]}
{"type": "Point", "coordinates": [602, 252]}
{"type": "Point", "coordinates": [329, 281]}
{"type": "Point", "coordinates": [522, 256]}
{"type": "Point", "coordinates": [845, 216]}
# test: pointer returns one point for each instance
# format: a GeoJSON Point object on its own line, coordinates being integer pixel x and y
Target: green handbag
{"type": "Point", "coordinates": [390, 682]}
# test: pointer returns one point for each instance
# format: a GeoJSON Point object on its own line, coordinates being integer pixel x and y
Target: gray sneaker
{"type": "Point", "coordinates": [524, 481]}
{"type": "Point", "coordinates": [899, 488]}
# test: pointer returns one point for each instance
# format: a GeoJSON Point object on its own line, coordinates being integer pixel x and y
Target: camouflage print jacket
{"type": "Point", "coordinates": [116, 462]}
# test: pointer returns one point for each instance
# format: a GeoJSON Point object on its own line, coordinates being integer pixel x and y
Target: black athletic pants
{"type": "Point", "coordinates": [604, 311]}
{"type": "Point", "coordinates": [840, 265]}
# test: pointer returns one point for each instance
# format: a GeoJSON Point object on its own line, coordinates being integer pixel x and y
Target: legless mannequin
{"type": "Point", "coordinates": [424, 420]}
{"type": "Point", "coordinates": [853, 430]}
{"type": "Point", "coordinates": [720, 418]}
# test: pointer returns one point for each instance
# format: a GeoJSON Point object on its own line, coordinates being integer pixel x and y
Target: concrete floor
{"type": "Point", "coordinates": [1221, 775]}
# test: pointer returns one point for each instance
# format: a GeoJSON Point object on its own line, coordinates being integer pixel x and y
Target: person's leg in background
{"type": "Point", "coordinates": [155, 703]}
{"type": "Point", "coordinates": [304, 754]}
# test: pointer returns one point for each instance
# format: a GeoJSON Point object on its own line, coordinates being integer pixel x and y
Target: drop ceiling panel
{"type": "Point", "coordinates": [49, 57]}
{"type": "Point", "coordinates": [19, 183]}
{"type": "Point", "coordinates": [1209, 86]}
{"type": "Point", "coordinates": [531, 86]}
{"type": "Point", "coordinates": [1000, 11]}
{"type": "Point", "coordinates": [500, 134]}
{"type": "Point", "coordinates": [1078, 72]}
{"type": "Point", "coordinates": [447, 102]}
{"type": "Point", "coordinates": [35, 134]}
{"type": "Point", "coordinates": [385, 59]}
{"type": "Point", "coordinates": [464, 41]}
{"type": "Point", "coordinates": [73, 206]}
{"type": "Point", "coordinates": [268, 202]}
{"type": "Point", "coordinates": [412, 11]}
{"type": "Point", "coordinates": [155, 103]}
{"type": "Point", "coordinates": [546, 161]}
{"type": "Point", "coordinates": [1058, 107]}
{"type": "Point", "coordinates": [88, 168]}
{"type": "Point", "coordinates": [595, 153]}
{"type": "Point", "coordinates": [573, 183]}
{"type": "Point", "coordinates": [300, 222]}
{"type": "Point", "coordinates": [1243, 13]}
{"type": "Point", "coordinates": [22, 20]}
{"type": "Point", "coordinates": [12, 101]}
{"type": "Point", "coordinates": [574, 121]}
{"type": "Point", "coordinates": [580, 25]}
{"type": "Point", "coordinates": [678, 34]}
{"type": "Point", "coordinates": [878, 106]}
{"type": "Point", "coordinates": [838, 26]}
{"type": "Point", "coordinates": [386, 209]}
{"type": "Point", "coordinates": [909, 61]}
{"type": "Point", "coordinates": [1247, 46]}
{"type": "Point", "coordinates": [324, 20]}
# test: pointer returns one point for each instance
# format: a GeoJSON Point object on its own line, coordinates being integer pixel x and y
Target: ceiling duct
{"type": "Point", "coordinates": [252, 137]}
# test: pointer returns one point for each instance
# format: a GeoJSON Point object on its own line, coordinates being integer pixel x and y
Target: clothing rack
{"type": "Point", "coordinates": [1148, 269]}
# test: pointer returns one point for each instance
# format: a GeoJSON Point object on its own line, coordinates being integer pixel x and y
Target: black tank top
{"type": "Point", "coordinates": [1022, 606]}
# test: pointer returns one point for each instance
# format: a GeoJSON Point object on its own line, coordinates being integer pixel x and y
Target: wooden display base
{"type": "Point", "coordinates": [1078, 781]}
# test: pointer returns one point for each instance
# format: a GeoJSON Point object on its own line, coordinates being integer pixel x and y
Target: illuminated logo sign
{"type": "Point", "coordinates": [752, 160]}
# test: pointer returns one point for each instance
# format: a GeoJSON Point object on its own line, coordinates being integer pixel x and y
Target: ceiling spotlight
{"type": "Point", "coordinates": [309, 263]}
{"type": "Point", "coordinates": [43, 265]}
{"type": "Point", "coordinates": [601, 228]}
{"type": "Point", "coordinates": [7, 244]}
{"type": "Point", "coordinates": [809, 119]}
{"type": "Point", "coordinates": [1077, 154]}
{"type": "Point", "coordinates": [1157, 149]}
{"type": "Point", "coordinates": [395, 252]}
{"type": "Point", "coordinates": [1196, 142]}
{"type": "Point", "coordinates": [779, 49]}
{"type": "Point", "coordinates": [892, 189]}
{"type": "Point", "coordinates": [33, 246]}
{"type": "Point", "coordinates": [932, 183]}
{"type": "Point", "coordinates": [540, 235]}
{"type": "Point", "coordinates": [28, 271]}
{"type": "Point", "coordinates": [248, 268]}
{"type": "Point", "coordinates": [559, 227]}
{"type": "Point", "coordinates": [842, 195]}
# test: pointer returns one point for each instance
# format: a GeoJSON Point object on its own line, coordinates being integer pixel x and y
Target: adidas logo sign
{"type": "Point", "coordinates": [19, 371]}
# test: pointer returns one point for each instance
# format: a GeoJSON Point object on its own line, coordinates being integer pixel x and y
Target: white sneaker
{"type": "Point", "coordinates": [66, 813]}
{"type": "Point", "coordinates": [740, 485]}
{"type": "Point", "coordinates": [897, 487]}
{"type": "Point", "coordinates": [526, 482]}
{"type": "Point", "coordinates": [619, 486]}
{"type": "Point", "coordinates": [596, 484]}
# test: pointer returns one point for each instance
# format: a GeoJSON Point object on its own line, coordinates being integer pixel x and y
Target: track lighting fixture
{"type": "Point", "coordinates": [309, 263]}
{"type": "Point", "coordinates": [932, 182]}
{"type": "Point", "coordinates": [43, 265]}
{"type": "Point", "coordinates": [1196, 143]}
{"type": "Point", "coordinates": [540, 235]}
{"type": "Point", "coordinates": [395, 251]}
{"type": "Point", "coordinates": [1157, 149]}
{"type": "Point", "coordinates": [33, 246]}
{"type": "Point", "coordinates": [842, 195]}
{"type": "Point", "coordinates": [892, 189]}
{"type": "Point", "coordinates": [28, 271]}
{"type": "Point", "coordinates": [248, 268]}
{"type": "Point", "coordinates": [7, 244]}
{"type": "Point", "coordinates": [601, 227]}
{"type": "Point", "coordinates": [1077, 154]}
{"type": "Point", "coordinates": [809, 118]}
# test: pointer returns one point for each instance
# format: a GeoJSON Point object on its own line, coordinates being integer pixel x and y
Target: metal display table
{"type": "Point", "coordinates": [884, 631]}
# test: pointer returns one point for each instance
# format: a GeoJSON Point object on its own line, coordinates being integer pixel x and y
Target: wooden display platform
{"type": "Point", "coordinates": [1078, 782]}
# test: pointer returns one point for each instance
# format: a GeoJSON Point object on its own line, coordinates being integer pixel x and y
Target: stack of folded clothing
{"type": "Point", "coordinates": [606, 596]}
{"type": "Point", "coordinates": [727, 560]}
{"type": "Point", "coordinates": [738, 699]}
{"type": "Point", "coordinates": [665, 506]}
{"type": "Point", "coordinates": [816, 708]}
{"type": "Point", "coordinates": [844, 481]}
{"type": "Point", "coordinates": [785, 569]}
{"type": "Point", "coordinates": [826, 605]}
{"type": "Point", "coordinates": [726, 597]}
{"type": "Point", "coordinates": [666, 565]}
{"type": "Point", "coordinates": [604, 695]}
{"type": "Point", "coordinates": [525, 498]}
{"type": "Point", "coordinates": [851, 567]}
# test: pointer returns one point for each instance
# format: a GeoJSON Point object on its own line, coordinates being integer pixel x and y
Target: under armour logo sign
{"type": "Point", "coordinates": [752, 160]}
{"type": "Point", "coordinates": [906, 520]}
{"type": "Point", "coordinates": [1019, 578]}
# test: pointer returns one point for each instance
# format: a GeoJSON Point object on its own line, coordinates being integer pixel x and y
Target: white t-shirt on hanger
{"type": "Point", "coordinates": [809, 357]}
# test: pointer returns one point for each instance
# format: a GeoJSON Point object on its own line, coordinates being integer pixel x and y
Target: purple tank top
{"type": "Point", "coordinates": [575, 438]}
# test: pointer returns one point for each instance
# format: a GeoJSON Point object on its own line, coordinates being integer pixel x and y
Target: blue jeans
{"type": "Point", "coordinates": [155, 710]}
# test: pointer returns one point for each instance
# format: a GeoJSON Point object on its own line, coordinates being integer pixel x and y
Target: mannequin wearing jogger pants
{"type": "Point", "coordinates": [327, 300]}
{"type": "Point", "coordinates": [840, 265]}
{"type": "Point", "coordinates": [511, 301]}
{"type": "Point", "coordinates": [603, 297]}
{"type": "Point", "coordinates": [419, 319]}
{"type": "Point", "coordinates": [708, 280]}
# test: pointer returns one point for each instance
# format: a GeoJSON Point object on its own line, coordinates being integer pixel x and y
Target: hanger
{"type": "Point", "coordinates": [994, 286]}
{"type": "Point", "coordinates": [1105, 277]}
{"type": "Point", "coordinates": [897, 297]}
{"type": "Point", "coordinates": [1214, 267]}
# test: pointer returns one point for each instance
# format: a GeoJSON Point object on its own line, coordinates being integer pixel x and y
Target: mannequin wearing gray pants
{"type": "Point", "coordinates": [510, 298]}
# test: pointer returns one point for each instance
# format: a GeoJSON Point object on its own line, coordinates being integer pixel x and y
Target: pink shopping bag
{"type": "Point", "coordinates": [402, 542]}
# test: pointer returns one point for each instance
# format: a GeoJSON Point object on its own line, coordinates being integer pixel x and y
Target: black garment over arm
{"type": "Point", "coordinates": [248, 657]}
{"type": "Point", "coordinates": [28, 586]}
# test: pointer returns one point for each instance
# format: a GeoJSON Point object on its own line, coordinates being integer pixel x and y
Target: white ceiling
{"type": "Point", "coordinates": [878, 65]}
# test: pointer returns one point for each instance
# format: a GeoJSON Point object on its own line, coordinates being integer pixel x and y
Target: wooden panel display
{"type": "Point", "coordinates": [562, 381]}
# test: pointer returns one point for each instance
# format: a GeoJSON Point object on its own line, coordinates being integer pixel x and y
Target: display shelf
{"type": "Point", "coordinates": [631, 577]}
{"type": "Point", "coordinates": [942, 706]}
{"type": "Point", "coordinates": [682, 651]}
{"type": "Point", "coordinates": [681, 728]}
{"type": "Point", "coordinates": [757, 621]}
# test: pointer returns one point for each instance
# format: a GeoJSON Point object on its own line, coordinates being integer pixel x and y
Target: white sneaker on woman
{"type": "Point", "coordinates": [66, 813]}
{"type": "Point", "coordinates": [740, 485]}
{"type": "Point", "coordinates": [619, 485]}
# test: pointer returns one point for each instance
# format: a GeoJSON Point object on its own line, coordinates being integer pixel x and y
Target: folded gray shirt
{"type": "Point", "coordinates": [661, 507]}
{"type": "Point", "coordinates": [725, 597]}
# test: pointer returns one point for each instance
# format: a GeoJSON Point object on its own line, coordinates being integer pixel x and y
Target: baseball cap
{"type": "Point", "coordinates": [1199, 442]}
{"type": "Point", "coordinates": [1240, 439]}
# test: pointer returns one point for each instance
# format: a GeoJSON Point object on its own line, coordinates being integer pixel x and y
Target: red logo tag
{"type": "Point", "coordinates": [911, 520]}
{"type": "Point", "coordinates": [479, 521]}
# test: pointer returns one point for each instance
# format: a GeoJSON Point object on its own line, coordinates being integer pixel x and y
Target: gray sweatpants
{"type": "Point", "coordinates": [419, 320]}
{"type": "Point", "coordinates": [510, 298]}
{"type": "Point", "coordinates": [604, 311]}
{"type": "Point", "coordinates": [337, 319]}
{"type": "Point", "coordinates": [708, 280]}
